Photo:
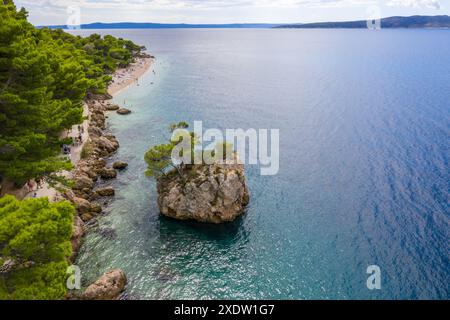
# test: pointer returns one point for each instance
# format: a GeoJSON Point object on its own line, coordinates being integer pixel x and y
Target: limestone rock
{"type": "Point", "coordinates": [112, 107]}
{"type": "Point", "coordinates": [98, 163]}
{"type": "Point", "coordinates": [120, 165]}
{"type": "Point", "coordinates": [108, 173]}
{"type": "Point", "coordinates": [77, 236]}
{"type": "Point", "coordinates": [100, 97]}
{"type": "Point", "coordinates": [95, 132]}
{"type": "Point", "coordinates": [98, 120]}
{"type": "Point", "coordinates": [68, 194]}
{"type": "Point", "coordinates": [106, 145]}
{"type": "Point", "coordinates": [87, 216]}
{"type": "Point", "coordinates": [82, 205]}
{"type": "Point", "coordinates": [123, 111]}
{"type": "Point", "coordinates": [89, 171]}
{"type": "Point", "coordinates": [214, 193]}
{"type": "Point", "coordinates": [105, 192]}
{"type": "Point", "coordinates": [108, 287]}
{"type": "Point", "coordinates": [96, 208]}
{"type": "Point", "coordinates": [83, 182]}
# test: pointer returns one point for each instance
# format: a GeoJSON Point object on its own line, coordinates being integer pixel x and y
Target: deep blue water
{"type": "Point", "coordinates": [364, 119]}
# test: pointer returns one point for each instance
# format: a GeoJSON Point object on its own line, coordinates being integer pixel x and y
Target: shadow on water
{"type": "Point", "coordinates": [222, 233]}
{"type": "Point", "coordinates": [187, 242]}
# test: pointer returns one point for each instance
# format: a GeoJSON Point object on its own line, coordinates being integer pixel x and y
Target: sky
{"type": "Point", "coordinates": [51, 12]}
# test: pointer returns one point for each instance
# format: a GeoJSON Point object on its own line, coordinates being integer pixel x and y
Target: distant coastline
{"type": "Point", "coordinates": [412, 22]}
{"type": "Point", "coordinates": [150, 25]}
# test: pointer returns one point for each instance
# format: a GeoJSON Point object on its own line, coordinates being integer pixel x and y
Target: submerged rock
{"type": "Point", "coordinates": [108, 233]}
{"type": "Point", "coordinates": [214, 193]}
{"type": "Point", "coordinates": [164, 274]}
{"type": "Point", "coordinates": [108, 287]}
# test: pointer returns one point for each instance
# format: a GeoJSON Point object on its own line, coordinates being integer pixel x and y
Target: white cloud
{"type": "Point", "coordinates": [195, 4]}
{"type": "Point", "coordinates": [44, 12]}
{"type": "Point", "coordinates": [434, 4]}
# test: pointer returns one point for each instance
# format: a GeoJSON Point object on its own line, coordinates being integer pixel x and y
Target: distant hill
{"type": "Point", "coordinates": [391, 22]}
{"type": "Point", "coordinates": [148, 25]}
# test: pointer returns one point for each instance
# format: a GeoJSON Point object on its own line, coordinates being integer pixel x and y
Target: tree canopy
{"type": "Point", "coordinates": [159, 158]}
{"type": "Point", "coordinates": [35, 234]}
{"type": "Point", "coordinates": [183, 149]}
{"type": "Point", "coordinates": [44, 77]}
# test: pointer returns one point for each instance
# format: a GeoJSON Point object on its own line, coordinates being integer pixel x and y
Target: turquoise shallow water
{"type": "Point", "coordinates": [364, 121]}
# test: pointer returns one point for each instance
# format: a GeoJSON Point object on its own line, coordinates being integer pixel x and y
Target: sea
{"type": "Point", "coordinates": [363, 181]}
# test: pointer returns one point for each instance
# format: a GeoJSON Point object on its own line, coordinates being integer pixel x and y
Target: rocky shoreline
{"type": "Point", "coordinates": [86, 194]}
{"type": "Point", "coordinates": [90, 169]}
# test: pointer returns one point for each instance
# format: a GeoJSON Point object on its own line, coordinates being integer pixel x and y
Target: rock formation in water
{"type": "Point", "coordinates": [108, 287]}
{"type": "Point", "coordinates": [120, 165]}
{"type": "Point", "coordinates": [112, 107]}
{"type": "Point", "coordinates": [123, 111]}
{"type": "Point", "coordinates": [214, 193]}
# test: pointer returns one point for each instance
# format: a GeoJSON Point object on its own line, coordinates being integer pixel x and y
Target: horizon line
{"type": "Point", "coordinates": [230, 23]}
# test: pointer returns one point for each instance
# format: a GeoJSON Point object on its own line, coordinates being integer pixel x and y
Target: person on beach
{"type": "Point", "coordinates": [66, 149]}
{"type": "Point", "coordinates": [80, 139]}
{"type": "Point", "coordinates": [38, 183]}
{"type": "Point", "coordinates": [30, 185]}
